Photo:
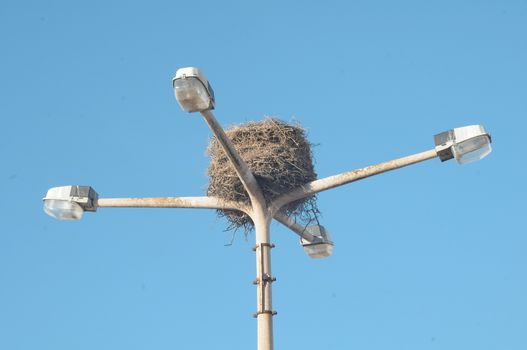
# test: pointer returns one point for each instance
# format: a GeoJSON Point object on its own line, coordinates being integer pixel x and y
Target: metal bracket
{"type": "Point", "coordinates": [270, 312]}
{"type": "Point", "coordinates": [270, 245]}
{"type": "Point", "coordinates": [444, 145]}
{"type": "Point", "coordinates": [263, 279]}
{"type": "Point", "coordinates": [266, 279]}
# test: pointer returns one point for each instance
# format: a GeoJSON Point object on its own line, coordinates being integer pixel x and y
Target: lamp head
{"type": "Point", "coordinates": [466, 144]}
{"type": "Point", "coordinates": [70, 202]}
{"type": "Point", "coordinates": [321, 246]}
{"type": "Point", "coordinates": [192, 90]}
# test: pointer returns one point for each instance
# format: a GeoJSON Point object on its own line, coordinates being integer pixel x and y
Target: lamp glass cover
{"type": "Point", "coordinates": [318, 251]}
{"type": "Point", "coordinates": [472, 150]}
{"type": "Point", "coordinates": [191, 94]}
{"type": "Point", "coordinates": [63, 209]}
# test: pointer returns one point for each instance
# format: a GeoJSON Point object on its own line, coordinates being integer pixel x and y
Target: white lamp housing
{"type": "Point", "coordinates": [70, 202]}
{"type": "Point", "coordinates": [192, 90]}
{"type": "Point", "coordinates": [321, 246]}
{"type": "Point", "coordinates": [467, 144]}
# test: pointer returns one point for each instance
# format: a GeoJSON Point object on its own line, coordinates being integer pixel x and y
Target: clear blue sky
{"type": "Point", "coordinates": [428, 257]}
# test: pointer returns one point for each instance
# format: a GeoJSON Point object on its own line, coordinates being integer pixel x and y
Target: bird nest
{"type": "Point", "coordinates": [279, 156]}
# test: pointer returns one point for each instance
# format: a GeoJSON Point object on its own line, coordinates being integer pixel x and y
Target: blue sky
{"type": "Point", "coordinates": [427, 257]}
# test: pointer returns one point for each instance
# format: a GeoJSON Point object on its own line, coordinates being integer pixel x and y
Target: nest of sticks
{"type": "Point", "coordinates": [279, 156]}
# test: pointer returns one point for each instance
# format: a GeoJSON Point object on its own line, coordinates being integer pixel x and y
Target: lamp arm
{"type": "Point", "coordinates": [242, 169]}
{"type": "Point", "coordinates": [199, 203]}
{"type": "Point", "coordinates": [293, 226]}
{"type": "Point", "coordinates": [171, 202]}
{"type": "Point", "coordinates": [330, 182]}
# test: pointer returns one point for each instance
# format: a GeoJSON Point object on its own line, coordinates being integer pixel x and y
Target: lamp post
{"type": "Point", "coordinates": [194, 94]}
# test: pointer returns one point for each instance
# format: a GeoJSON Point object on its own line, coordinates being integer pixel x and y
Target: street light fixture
{"type": "Point", "coordinates": [315, 239]}
{"type": "Point", "coordinates": [192, 90]}
{"type": "Point", "coordinates": [467, 144]}
{"type": "Point", "coordinates": [319, 247]}
{"type": "Point", "coordinates": [70, 202]}
{"type": "Point", "coordinates": [194, 94]}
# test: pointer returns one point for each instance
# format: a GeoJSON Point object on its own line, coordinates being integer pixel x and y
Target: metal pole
{"type": "Point", "coordinates": [262, 215]}
{"type": "Point", "coordinates": [262, 220]}
{"type": "Point", "coordinates": [264, 279]}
